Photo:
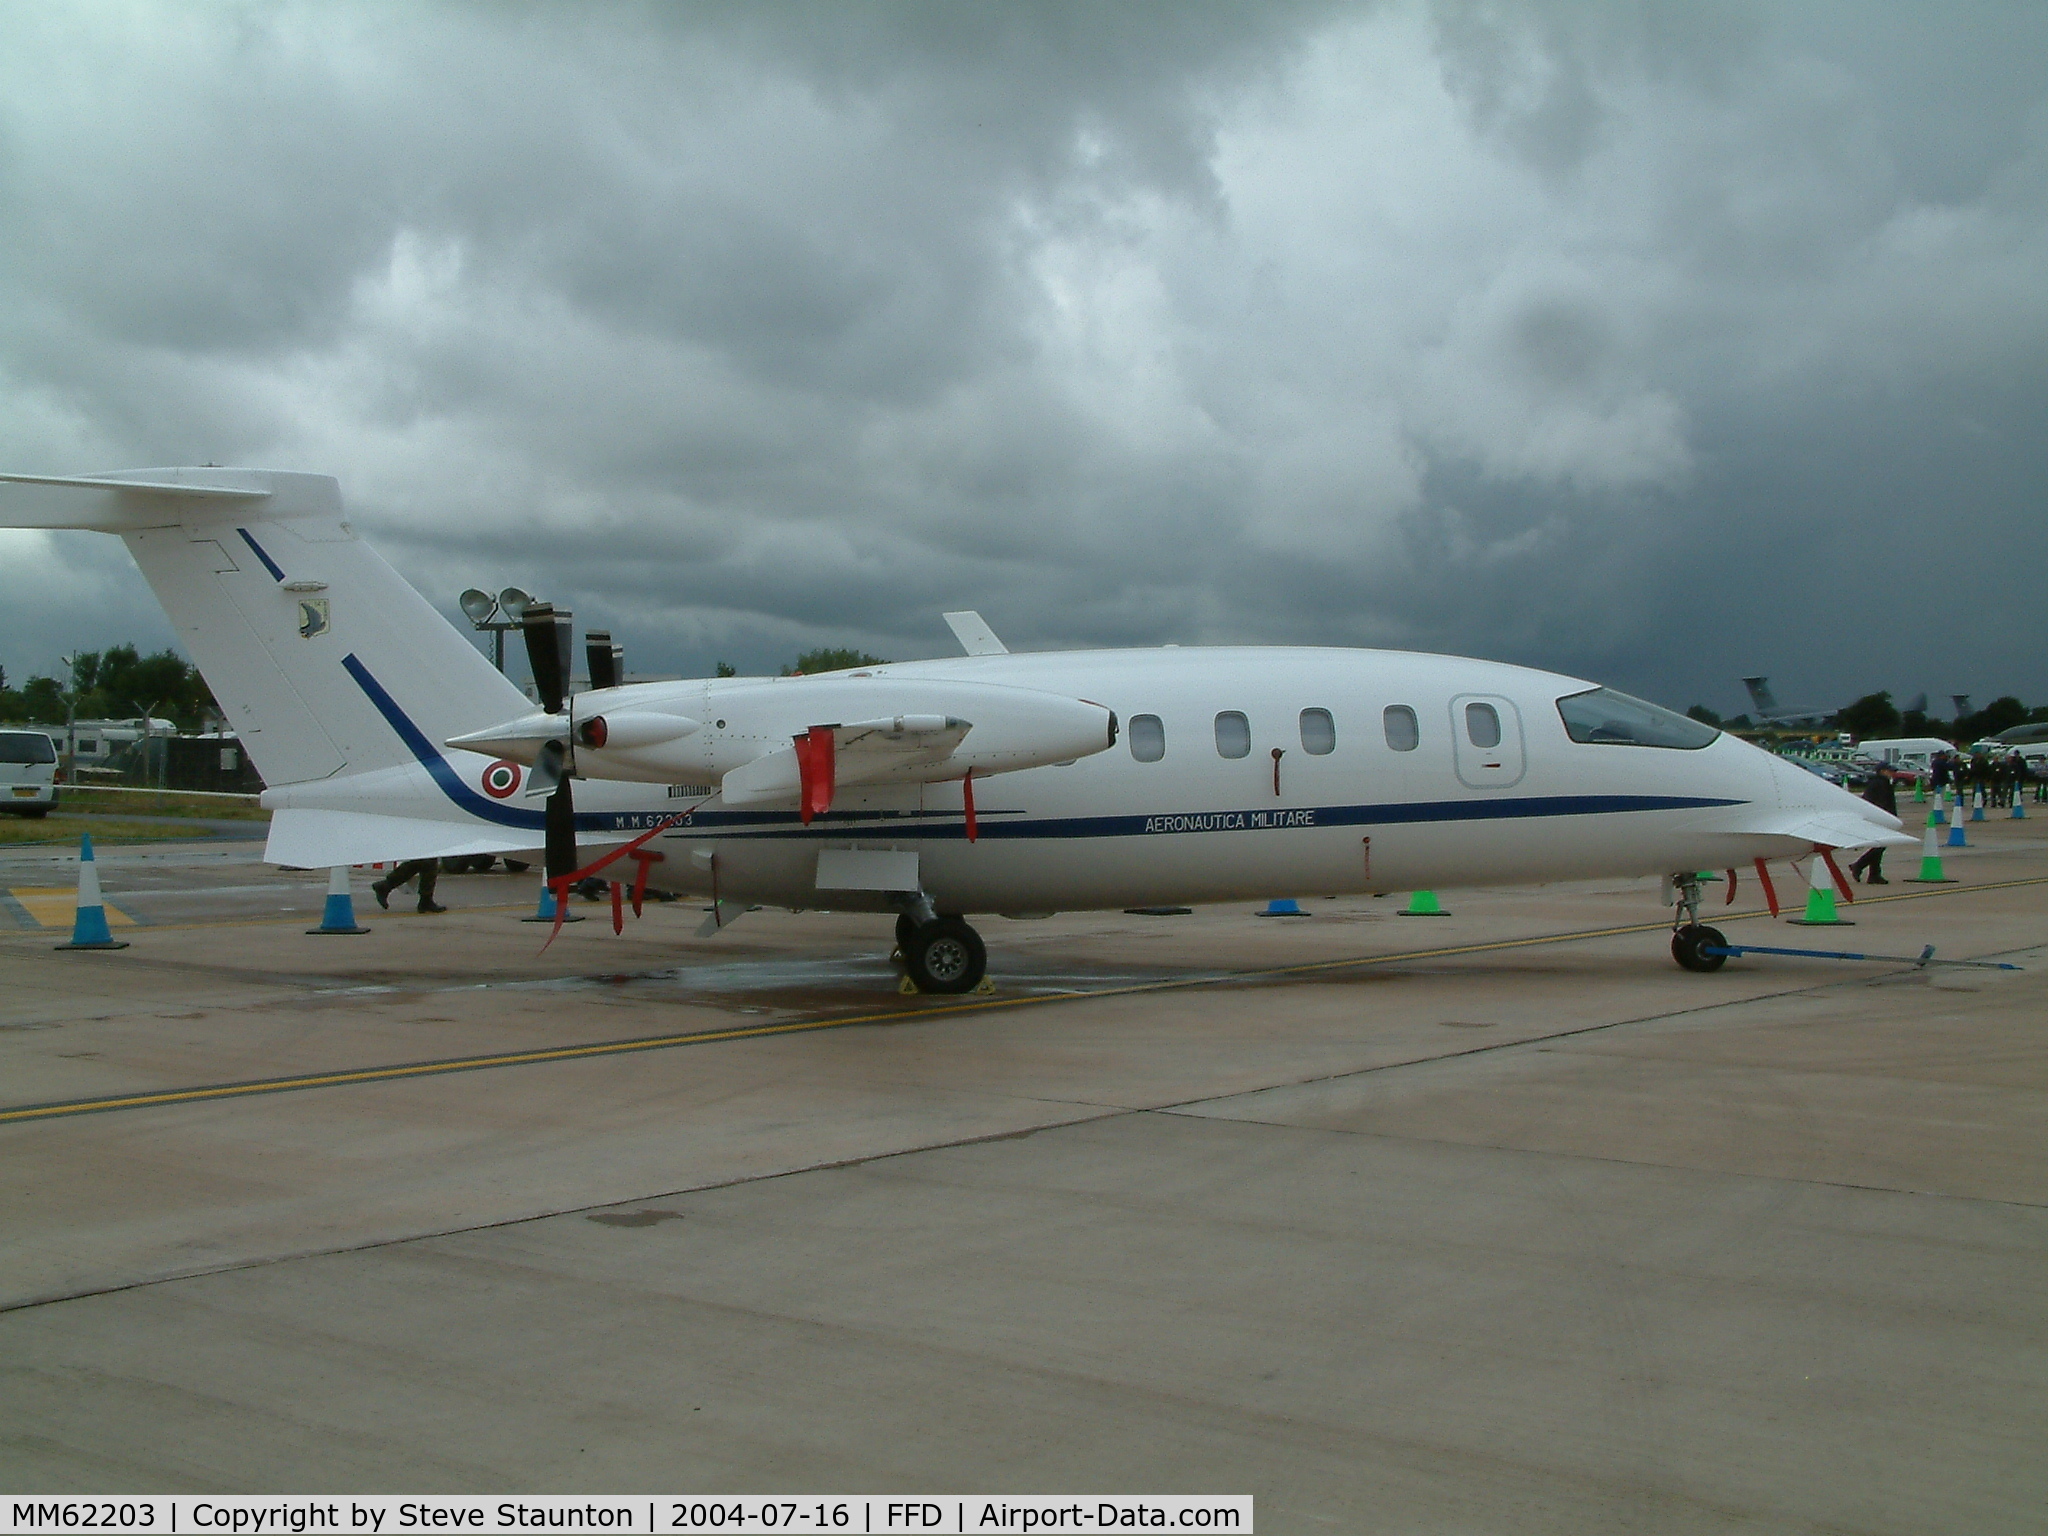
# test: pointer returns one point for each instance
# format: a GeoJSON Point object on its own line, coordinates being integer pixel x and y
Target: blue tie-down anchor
{"type": "Point", "coordinates": [1919, 962]}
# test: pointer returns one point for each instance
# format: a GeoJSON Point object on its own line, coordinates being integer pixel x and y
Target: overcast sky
{"type": "Point", "coordinates": [1654, 343]}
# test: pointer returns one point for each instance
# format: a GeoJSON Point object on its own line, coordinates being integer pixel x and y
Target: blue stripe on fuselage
{"type": "Point", "coordinates": [788, 824]}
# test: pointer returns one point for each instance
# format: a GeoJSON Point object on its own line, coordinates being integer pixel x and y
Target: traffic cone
{"type": "Point", "coordinates": [1820, 899]}
{"type": "Point", "coordinates": [339, 915]}
{"type": "Point", "coordinates": [89, 922]}
{"type": "Point", "coordinates": [546, 914]}
{"type": "Point", "coordinates": [1919, 790]}
{"type": "Point", "coordinates": [1936, 815]}
{"type": "Point", "coordinates": [1977, 806]}
{"type": "Point", "coordinates": [1283, 906]}
{"type": "Point", "coordinates": [1422, 904]}
{"type": "Point", "coordinates": [1930, 862]}
{"type": "Point", "coordinates": [1956, 839]}
{"type": "Point", "coordinates": [2019, 802]}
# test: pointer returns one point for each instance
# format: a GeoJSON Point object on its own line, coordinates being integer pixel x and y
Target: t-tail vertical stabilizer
{"type": "Point", "coordinates": [338, 677]}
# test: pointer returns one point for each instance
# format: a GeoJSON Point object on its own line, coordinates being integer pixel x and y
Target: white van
{"type": "Point", "coordinates": [1905, 754]}
{"type": "Point", "coordinates": [28, 772]}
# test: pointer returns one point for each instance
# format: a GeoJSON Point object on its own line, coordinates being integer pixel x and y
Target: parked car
{"type": "Point", "coordinates": [28, 773]}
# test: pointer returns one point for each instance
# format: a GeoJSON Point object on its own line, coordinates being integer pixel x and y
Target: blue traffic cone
{"type": "Point", "coordinates": [339, 915]}
{"type": "Point", "coordinates": [1283, 906]}
{"type": "Point", "coordinates": [2019, 802]}
{"type": "Point", "coordinates": [546, 914]}
{"type": "Point", "coordinates": [1956, 839]}
{"type": "Point", "coordinates": [1977, 806]}
{"type": "Point", "coordinates": [89, 923]}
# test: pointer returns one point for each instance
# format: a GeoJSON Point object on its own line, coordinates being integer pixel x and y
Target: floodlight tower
{"type": "Point", "coordinates": [482, 611]}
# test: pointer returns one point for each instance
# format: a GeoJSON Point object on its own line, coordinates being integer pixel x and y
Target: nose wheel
{"type": "Point", "coordinates": [1691, 938]}
{"type": "Point", "coordinates": [944, 955]}
{"type": "Point", "coordinates": [1688, 946]}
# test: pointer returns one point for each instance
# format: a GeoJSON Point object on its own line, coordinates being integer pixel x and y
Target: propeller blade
{"type": "Point", "coordinates": [561, 833]}
{"type": "Point", "coordinates": [607, 661]}
{"type": "Point", "coordinates": [550, 636]}
{"type": "Point", "coordinates": [550, 768]}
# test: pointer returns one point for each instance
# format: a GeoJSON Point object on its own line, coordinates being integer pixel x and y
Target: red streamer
{"type": "Point", "coordinates": [1770, 891]}
{"type": "Point", "coordinates": [814, 766]}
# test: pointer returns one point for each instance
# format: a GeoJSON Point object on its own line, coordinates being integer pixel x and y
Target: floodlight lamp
{"type": "Point", "coordinates": [514, 603]}
{"type": "Point", "coordinates": [478, 605]}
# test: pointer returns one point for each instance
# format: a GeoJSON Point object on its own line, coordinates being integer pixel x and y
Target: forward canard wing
{"type": "Point", "coordinates": [1828, 829]}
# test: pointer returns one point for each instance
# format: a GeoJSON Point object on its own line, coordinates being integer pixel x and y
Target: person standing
{"type": "Point", "coordinates": [1878, 792]}
{"type": "Point", "coordinates": [429, 870]}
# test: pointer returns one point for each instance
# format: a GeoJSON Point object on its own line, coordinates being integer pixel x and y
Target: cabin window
{"type": "Point", "coordinates": [1233, 734]}
{"type": "Point", "coordinates": [1147, 737]}
{"type": "Point", "coordinates": [1603, 717]}
{"type": "Point", "coordinates": [1482, 725]}
{"type": "Point", "coordinates": [1318, 732]}
{"type": "Point", "coordinates": [1402, 731]}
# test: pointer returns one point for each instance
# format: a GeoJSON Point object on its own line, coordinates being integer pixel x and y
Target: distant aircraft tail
{"type": "Point", "coordinates": [1760, 695]}
{"type": "Point", "coordinates": [328, 665]}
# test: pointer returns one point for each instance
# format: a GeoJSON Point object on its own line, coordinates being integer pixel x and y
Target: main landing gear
{"type": "Point", "coordinates": [1691, 938]}
{"type": "Point", "coordinates": [941, 954]}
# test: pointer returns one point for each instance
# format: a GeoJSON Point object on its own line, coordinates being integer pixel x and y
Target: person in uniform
{"type": "Point", "coordinates": [1870, 863]}
{"type": "Point", "coordinates": [429, 870]}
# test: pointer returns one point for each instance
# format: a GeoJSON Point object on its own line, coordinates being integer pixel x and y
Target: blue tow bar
{"type": "Point", "coordinates": [1924, 958]}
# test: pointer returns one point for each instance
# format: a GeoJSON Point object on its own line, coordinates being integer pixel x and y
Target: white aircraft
{"type": "Point", "coordinates": [990, 782]}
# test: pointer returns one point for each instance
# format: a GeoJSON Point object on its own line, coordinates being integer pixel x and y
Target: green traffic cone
{"type": "Point", "coordinates": [1820, 899]}
{"type": "Point", "coordinates": [1422, 904]}
{"type": "Point", "coordinates": [1931, 872]}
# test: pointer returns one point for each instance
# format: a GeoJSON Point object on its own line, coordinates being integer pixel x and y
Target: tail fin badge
{"type": "Point", "coordinates": [313, 617]}
{"type": "Point", "coordinates": [501, 779]}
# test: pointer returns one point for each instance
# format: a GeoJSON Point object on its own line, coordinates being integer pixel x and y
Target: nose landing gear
{"type": "Point", "coordinates": [1691, 938]}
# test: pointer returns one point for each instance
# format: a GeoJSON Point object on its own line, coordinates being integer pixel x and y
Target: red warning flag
{"type": "Point", "coordinates": [967, 800]}
{"type": "Point", "coordinates": [1763, 874]}
{"type": "Point", "coordinates": [814, 766]}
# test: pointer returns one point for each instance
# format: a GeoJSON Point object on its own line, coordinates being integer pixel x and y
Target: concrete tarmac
{"type": "Point", "coordinates": [1499, 1222]}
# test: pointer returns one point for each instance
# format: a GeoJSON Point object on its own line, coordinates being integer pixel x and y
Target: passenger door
{"type": "Point", "coordinates": [1486, 740]}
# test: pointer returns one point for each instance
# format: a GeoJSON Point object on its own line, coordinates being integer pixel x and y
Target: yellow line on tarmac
{"type": "Point", "coordinates": [260, 1086]}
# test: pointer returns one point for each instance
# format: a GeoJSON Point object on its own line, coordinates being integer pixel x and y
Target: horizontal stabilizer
{"type": "Point", "coordinates": [162, 498]}
{"type": "Point", "coordinates": [314, 839]}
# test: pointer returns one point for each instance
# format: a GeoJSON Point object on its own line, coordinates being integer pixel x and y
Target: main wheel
{"type": "Point", "coordinates": [1689, 943]}
{"type": "Point", "coordinates": [945, 956]}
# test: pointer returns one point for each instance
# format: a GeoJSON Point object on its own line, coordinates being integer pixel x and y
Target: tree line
{"type": "Point", "coordinates": [1875, 718]}
{"type": "Point", "coordinates": [115, 684]}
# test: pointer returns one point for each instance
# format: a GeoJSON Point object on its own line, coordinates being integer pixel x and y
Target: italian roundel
{"type": "Point", "coordinates": [501, 778]}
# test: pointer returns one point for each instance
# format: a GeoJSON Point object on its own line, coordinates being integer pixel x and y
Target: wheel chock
{"type": "Point", "coordinates": [985, 987]}
{"type": "Point", "coordinates": [907, 987]}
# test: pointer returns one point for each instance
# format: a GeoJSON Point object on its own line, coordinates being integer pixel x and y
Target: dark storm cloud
{"type": "Point", "coordinates": [1659, 343]}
